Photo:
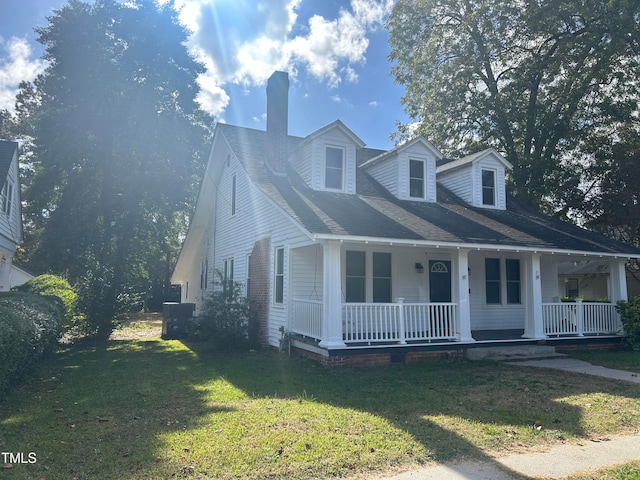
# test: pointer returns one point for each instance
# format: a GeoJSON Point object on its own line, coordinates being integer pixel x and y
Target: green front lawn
{"type": "Point", "coordinates": [145, 408]}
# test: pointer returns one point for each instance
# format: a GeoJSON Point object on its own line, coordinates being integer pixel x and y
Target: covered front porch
{"type": "Point", "coordinates": [340, 296]}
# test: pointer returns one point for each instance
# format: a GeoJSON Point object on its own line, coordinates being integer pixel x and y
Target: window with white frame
{"type": "Point", "coordinates": [228, 269]}
{"type": "Point", "coordinates": [488, 187]}
{"type": "Point", "coordinates": [495, 288]}
{"type": "Point", "coordinates": [512, 269]}
{"type": "Point", "coordinates": [6, 197]}
{"type": "Point", "coordinates": [278, 291]}
{"type": "Point", "coordinates": [334, 168]}
{"type": "Point", "coordinates": [416, 178]}
{"type": "Point", "coordinates": [381, 277]}
{"type": "Point", "coordinates": [355, 276]}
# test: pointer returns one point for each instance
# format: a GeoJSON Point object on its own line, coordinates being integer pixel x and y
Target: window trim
{"type": "Point", "coordinates": [343, 168]}
{"type": "Point", "coordinates": [7, 197]}
{"type": "Point", "coordinates": [362, 278]}
{"type": "Point", "coordinates": [503, 282]}
{"type": "Point", "coordinates": [375, 277]}
{"type": "Point", "coordinates": [485, 188]}
{"type": "Point", "coordinates": [278, 276]}
{"type": "Point", "coordinates": [423, 179]}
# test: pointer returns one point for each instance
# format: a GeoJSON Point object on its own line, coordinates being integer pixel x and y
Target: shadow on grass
{"type": "Point", "coordinates": [99, 409]}
{"type": "Point", "coordinates": [147, 409]}
{"type": "Point", "coordinates": [439, 404]}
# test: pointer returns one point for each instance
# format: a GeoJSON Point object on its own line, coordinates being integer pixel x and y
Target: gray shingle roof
{"type": "Point", "coordinates": [7, 149]}
{"type": "Point", "coordinates": [375, 212]}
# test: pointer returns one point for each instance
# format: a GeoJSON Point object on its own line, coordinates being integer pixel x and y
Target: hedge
{"type": "Point", "coordinates": [30, 326]}
{"type": "Point", "coordinates": [53, 285]}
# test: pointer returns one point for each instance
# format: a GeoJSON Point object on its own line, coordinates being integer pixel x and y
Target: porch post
{"type": "Point", "coordinates": [534, 323]}
{"type": "Point", "coordinates": [332, 299]}
{"type": "Point", "coordinates": [618, 280]}
{"type": "Point", "coordinates": [461, 286]}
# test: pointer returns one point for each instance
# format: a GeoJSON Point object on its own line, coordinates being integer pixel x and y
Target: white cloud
{"type": "Point", "coordinates": [16, 65]}
{"type": "Point", "coordinates": [212, 97]}
{"type": "Point", "coordinates": [373, 103]}
{"type": "Point", "coordinates": [244, 41]}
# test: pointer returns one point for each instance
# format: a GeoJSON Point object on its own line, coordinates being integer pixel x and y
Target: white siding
{"type": "Point", "coordinates": [459, 182]}
{"type": "Point", "coordinates": [393, 172]}
{"type": "Point", "coordinates": [10, 224]}
{"type": "Point", "coordinates": [492, 317]}
{"type": "Point", "coordinates": [466, 182]}
{"type": "Point", "coordinates": [307, 272]}
{"type": "Point", "coordinates": [549, 276]}
{"type": "Point", "coordinates": [233, 236]}
{"type": "Point", "coordinates": [386, 173]}
{"type": "Point", "coordinates": [333, 138]}
{"type": "Point", "coordinates": [489, 164]}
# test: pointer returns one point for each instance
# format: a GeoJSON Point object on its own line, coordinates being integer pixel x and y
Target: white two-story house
{"type": "Point", "coordinates": [358, 251]}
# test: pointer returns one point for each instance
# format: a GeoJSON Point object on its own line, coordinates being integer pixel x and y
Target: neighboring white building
{"type": "Point", "coordinates": [358, 250]}
{"type": "Point", "coordinates": [10, 210]}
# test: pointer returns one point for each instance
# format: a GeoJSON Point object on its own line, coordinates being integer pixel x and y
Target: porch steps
{"type": "Point", "coordinates": [513, 353]}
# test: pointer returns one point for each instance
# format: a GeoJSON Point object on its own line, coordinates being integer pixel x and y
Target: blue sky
{"type": "Point", "coordinates": [334, 50]}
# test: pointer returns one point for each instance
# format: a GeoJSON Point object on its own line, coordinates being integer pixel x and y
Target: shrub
{"type": "Point", "coordinates": [226, 319]}
{"type": "Point", "coordinates": [52, 285]}
{"type": "Point", "coordinates": [30, 327]}
{"type": "Point", "coordinates": [630, 315]}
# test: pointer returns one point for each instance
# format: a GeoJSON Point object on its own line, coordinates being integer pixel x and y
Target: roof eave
{"type": "Point", "coordinates": [470, 246]}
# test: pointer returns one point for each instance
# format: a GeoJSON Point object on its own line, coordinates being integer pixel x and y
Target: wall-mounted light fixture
{"type": "Point", "coordinates": [419, 267]}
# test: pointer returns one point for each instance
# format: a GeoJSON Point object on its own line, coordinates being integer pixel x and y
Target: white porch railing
{"type": "Point", "coordinates": [580, 318]}
{"type": "Point", "coordinates": [307, 318]}
{"type": "Point", "coordinates": [397, 322]}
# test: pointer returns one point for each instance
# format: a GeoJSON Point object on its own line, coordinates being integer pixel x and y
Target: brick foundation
{"type": "Point", "coordinates": [377, 359]}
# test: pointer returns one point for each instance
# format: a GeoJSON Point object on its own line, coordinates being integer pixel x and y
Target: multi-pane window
{"type": "Point", "coordinates": [334, 168]}
{"type": "Point", "coordinates": [492, 280]}
{"type": "Point", "coordinates": [356, 277]}
{"type": "Point", "coordinates": [513, 280]}
{"type": "Point", "coordinates": [488, 187]}
{"type": "Point", "coordinates": [278, 291]}
{"type": "Point", "coordinates": [382, 277]}
{"type": "Point", "coordinates": [416, 178]}
{"type": "Point", "coordinates": [494, 285]}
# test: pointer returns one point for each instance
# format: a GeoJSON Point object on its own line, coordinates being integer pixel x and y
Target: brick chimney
{"type": "Point", "coordinates": [277, 122]}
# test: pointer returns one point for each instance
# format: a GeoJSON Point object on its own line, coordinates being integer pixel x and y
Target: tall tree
{"type": "Point", "coordinates": [118, 140]}
{"type": "Point", "coordinates": [533, 78]}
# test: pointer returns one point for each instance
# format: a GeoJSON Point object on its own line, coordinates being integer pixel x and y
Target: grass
{"type": "Point", "coordinates": [138, 407]}
{"type": "Point", "coordinates": [619, 359]}
{"type": "Point", "coordinates": [629, 471]}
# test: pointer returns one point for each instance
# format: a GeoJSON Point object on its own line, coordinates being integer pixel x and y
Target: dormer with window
{"type": "Point", "coordinates": [326, 159]}
{"type": "Point", "coordinates": [407, 171]}
{"type": "Point", "coordinates": [478, 179]}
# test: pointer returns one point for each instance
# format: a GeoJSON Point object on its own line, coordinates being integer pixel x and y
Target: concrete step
{"type": "Point", "coordinates": [513, 353]}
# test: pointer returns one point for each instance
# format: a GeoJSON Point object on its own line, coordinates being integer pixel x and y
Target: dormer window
{"type": "Point", "coordinates": [416, 179]}
{"type": "Point", "coordinates": [334, 168]}
{"type": "Point", "coordinates": [488, 187]}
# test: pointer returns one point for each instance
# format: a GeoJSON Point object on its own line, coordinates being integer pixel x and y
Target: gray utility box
{"type": "Point", "coordinates": [177, 319]}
